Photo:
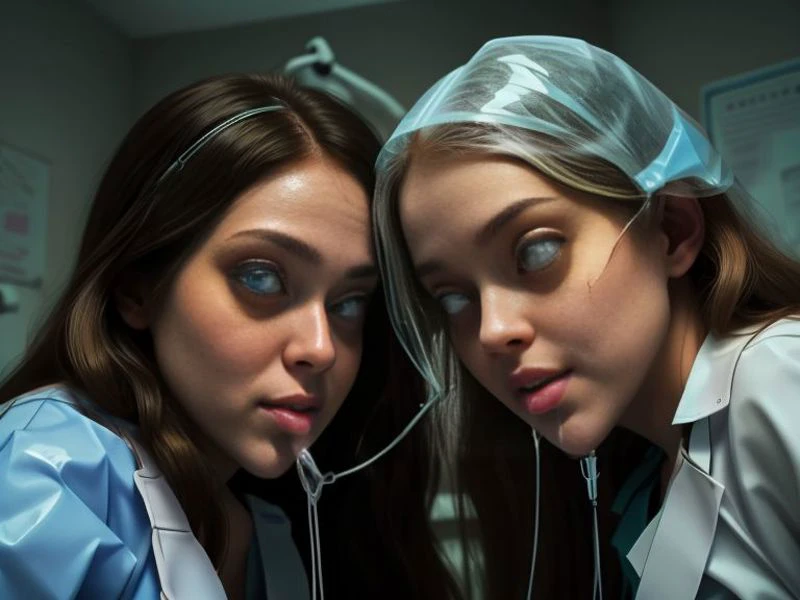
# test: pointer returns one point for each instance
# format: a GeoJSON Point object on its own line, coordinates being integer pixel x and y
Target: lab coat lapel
{"type": "Point", "coordinates": [670, 556]}
{"type": "Point", "coordinates": [184, 569]}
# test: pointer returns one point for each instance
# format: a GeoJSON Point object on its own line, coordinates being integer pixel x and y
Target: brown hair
{"type": "Point", "coordinates": [140, 223]}
{"type": "Point", "coordinates": [741, 279]}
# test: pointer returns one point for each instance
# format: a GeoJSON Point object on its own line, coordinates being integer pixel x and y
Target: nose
{"type": "Point", "coordinates": [311, 345]}
{"type": "Point", "coordinates": [505, 326]}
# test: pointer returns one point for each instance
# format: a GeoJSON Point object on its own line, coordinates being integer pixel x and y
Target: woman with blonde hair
{"type": "Point", "coordinates": [556, 234]}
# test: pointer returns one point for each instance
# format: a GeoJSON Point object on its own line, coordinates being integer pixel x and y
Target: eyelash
{"type": "Point", "coordinates": [524, 245]}
{"type": "Point", "coordinates": [363, 299]}
{"type": "Point", "coordinates": [538, 241]}
{"type": "Point", "coordinates": [440, 300]}
{"type": "Point", "coordinates": [259, 267]}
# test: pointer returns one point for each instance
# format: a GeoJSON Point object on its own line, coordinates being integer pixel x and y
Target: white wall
{"type": "Point", "coordinates": [402, 46]}
{"type": "Point", "coordinates": [682, 45]}
{"type": "Point", "coordinates": [65, 96]}
{"type": "Point", "coordinates": [405, 46]}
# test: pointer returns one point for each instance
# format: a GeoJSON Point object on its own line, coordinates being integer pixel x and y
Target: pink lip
{"type": "Point", "coordinates": [541, 399]}
{"type": "Point", "coordinates": [528, 376]}
{"type": "Point", "coordinates": [301, 400]}
{"type": "Point", "coordinates": [292, 421]}
{"type": "Point", "coordinates": [295, 414]}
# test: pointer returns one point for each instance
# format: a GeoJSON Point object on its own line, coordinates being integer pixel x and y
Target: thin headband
{"type": "Point", "coordinates": [192, 150]}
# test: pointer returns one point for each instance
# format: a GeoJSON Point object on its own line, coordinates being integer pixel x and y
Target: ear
{"type": "Point", "coordinates": [131, 298]}
{"type": "Point", "coordinates": [683, 225]}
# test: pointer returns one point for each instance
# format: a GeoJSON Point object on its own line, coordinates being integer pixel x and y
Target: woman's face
{"type": "Point", "coordinates": [260, 335]}
{"type": "Point", "coordinates": [535, 310]}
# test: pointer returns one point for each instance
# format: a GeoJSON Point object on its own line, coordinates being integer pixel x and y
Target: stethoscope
{"type": "Point", "coordinates": [313, 482]}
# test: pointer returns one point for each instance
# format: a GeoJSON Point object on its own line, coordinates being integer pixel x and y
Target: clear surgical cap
{"type": "Point", "coordinates": [582, 95]}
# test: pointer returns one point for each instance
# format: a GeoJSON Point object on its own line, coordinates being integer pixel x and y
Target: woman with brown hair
{"type": "Point", "coordinates": [554, 233]}
{"type": "Point", "coordinates": [214, 326]}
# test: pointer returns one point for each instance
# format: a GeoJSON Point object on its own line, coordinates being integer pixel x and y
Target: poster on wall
{"type": "Point", "coordinates": [24, 191]}
{"type": "Point", "coordinates": [754, 121]}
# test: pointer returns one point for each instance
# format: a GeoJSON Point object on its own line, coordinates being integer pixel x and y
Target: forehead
{"type": "Point", "coordinates": [308, 197]}
{"type": "Point", "coordinates": [466, 188]}
{"type": "Point", "coordinates": [454, 199]}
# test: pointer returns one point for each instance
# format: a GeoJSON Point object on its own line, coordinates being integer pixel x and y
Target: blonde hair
{"type": "Point", "coordinates": [741, 279]}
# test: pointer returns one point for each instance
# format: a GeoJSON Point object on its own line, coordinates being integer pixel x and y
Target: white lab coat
{"type": "Point", "coordinates": [729, 525]}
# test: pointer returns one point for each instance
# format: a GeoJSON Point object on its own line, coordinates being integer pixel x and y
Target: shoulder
{"type": "Point", "coordinates": [781, 331]}
{"type": "Point", "coordinates": [48, 423]}
{"type": "Point", "coordinates": [43, 436]}
{"type": "Point", "coordinates": [764, 444]}
{"type": "Point", "coordinates": [68, 486]}
{"type": "Point", "coordinates": [766, 380]}
{"type": "Point", "coordinates": [764, 409]}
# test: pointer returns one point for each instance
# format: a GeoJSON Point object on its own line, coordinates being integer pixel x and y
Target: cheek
{"type": "Point", "coordinates": [202, 335]}
{"type": "Point", "coordinates": [617, 324]}
{"type": "Point", "coordinates": [348, 361]}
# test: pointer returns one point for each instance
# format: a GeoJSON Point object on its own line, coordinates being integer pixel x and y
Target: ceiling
{"type": "Point", "coordinates": [147, 18]}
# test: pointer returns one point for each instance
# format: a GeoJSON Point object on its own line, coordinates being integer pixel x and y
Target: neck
{"type": "Point", "coordinates": [223, 468]}
{"type": "Point", "coordinates": [652, 410]}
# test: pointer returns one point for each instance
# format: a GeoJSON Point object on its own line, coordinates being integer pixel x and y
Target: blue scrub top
{"type": "Point", "coordinates": [72, 522]}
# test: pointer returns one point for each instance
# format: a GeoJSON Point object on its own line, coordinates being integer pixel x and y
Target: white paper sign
{"type": "Point", "coordinates": [24, 191]}
{"type": "Point", "coordinates": [754, 121]}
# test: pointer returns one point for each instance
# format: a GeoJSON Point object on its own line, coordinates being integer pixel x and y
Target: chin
{"type": "Point", "coordinates": [270, 464]}
{"type": "Point", "coordinates": [578, 439]}
{"type": "Point", "coordinates": [576, 449]}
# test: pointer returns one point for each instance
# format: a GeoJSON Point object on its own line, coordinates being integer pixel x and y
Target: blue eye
{"type": "Point", "coordinates": [260, 278]}
{"type": "Point", "coordinates": [453, 303]}
{"type": "Point", "coordinates": [537, 254]}
{"type": "Point", "coordinates": [351, 308]}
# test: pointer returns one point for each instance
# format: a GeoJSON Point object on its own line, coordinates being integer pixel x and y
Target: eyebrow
{"type": "Point", "coordinates": [510, 212]}
{"type": "Point", "coordinates": [428, 267]}
{"type": "Point", "coordinates": [362, 272]}
{"type": "Point", "coordinates": [290, 244]}
{"type": "Point", "coordinates": [489, 230]}
{"type": "Point", "coordinates": [305, 251]}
